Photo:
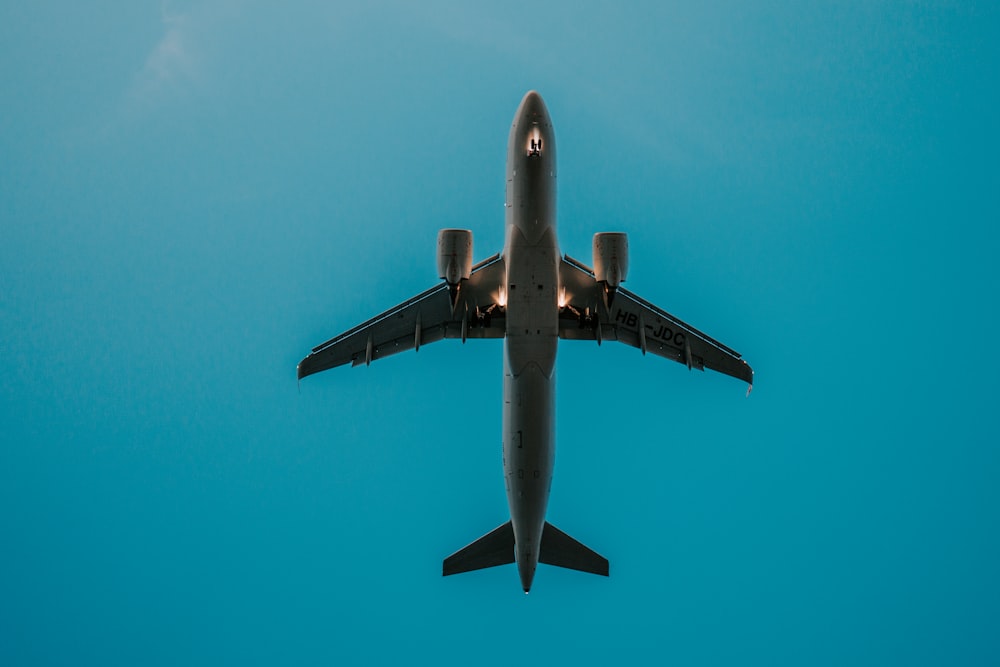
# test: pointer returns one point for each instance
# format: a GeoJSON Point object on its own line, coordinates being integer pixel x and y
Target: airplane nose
{"type": "Point", "coordinates": [533, 105]}
{"type": "Point", "coordinates": [533, 127]}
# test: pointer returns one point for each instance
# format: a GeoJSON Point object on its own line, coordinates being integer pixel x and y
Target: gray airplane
{"type": "Point", "coordinates": [531, 296]}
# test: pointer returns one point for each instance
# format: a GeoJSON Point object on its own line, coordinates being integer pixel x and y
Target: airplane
{"type": "Point", "coordinates": [531, 296]}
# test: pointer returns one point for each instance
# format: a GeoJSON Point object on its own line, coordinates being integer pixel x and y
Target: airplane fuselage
{"type": "Point", "coordinates": [531, 254]}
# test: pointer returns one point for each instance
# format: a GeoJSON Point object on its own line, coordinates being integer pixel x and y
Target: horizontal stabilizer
{"type": "Point", "coordinates": [494, 548]}
{"type": "Point", "coordinates": [561, 550]}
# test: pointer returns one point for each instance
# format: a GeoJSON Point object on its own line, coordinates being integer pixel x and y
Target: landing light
{"type": "Point", "coordinates": [502, 298]}
{"type": "Point", "coordinates": [534, 146]}
{"type": "Point", "coordinates": [563, 300]}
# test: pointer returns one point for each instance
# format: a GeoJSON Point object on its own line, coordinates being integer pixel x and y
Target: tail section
{"type": "Point", "coordinates": [494, 548]}
{"type": "Point", "coordinates": [561, 550]}
{"type": "Point", "coordinates": [497, 548]}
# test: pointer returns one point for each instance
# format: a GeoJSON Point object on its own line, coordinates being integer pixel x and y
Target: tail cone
{"type": "Point", "coordinates": [526, 569]}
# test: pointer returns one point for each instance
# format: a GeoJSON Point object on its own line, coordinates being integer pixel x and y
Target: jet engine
{"type": "Point", "coordinates": [611, 259]}
{"type": "Point", "coordinates": [454, 255]}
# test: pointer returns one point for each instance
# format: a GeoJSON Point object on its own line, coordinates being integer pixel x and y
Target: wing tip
{"type": "Point", "coordinates": [304, 369]}
{"type": "Point", "coordinates": [748, 378]}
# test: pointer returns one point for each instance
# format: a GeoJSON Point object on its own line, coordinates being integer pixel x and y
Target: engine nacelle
{"type": "Point", "coordinates": [611, 258]}
{"type": "Point", "coordinates": [454, 255]}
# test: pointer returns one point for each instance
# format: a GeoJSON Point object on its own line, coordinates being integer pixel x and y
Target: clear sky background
{"type": "Point", "coordinates": [193, 194]}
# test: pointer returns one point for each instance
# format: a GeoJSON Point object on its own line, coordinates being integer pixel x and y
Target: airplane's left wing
{"type": "Point", "coordinates": [426, 318]}
{"type": "Point", "coordinates": [634, 321]}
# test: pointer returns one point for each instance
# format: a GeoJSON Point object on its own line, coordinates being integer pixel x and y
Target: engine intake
{"type": "Point", "coordinates": [454, 255]}
{"type": "Point", "coordinates": [611, 258]}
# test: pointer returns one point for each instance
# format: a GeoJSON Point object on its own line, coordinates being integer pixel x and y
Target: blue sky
{"type": "Point", "coordinates": [193, 194]}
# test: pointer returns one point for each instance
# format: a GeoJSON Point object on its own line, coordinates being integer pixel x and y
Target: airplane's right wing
{"type": "Point", "coordinates": [632, 320]}
{"type": "Point", "coordinates": [426, 318]}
